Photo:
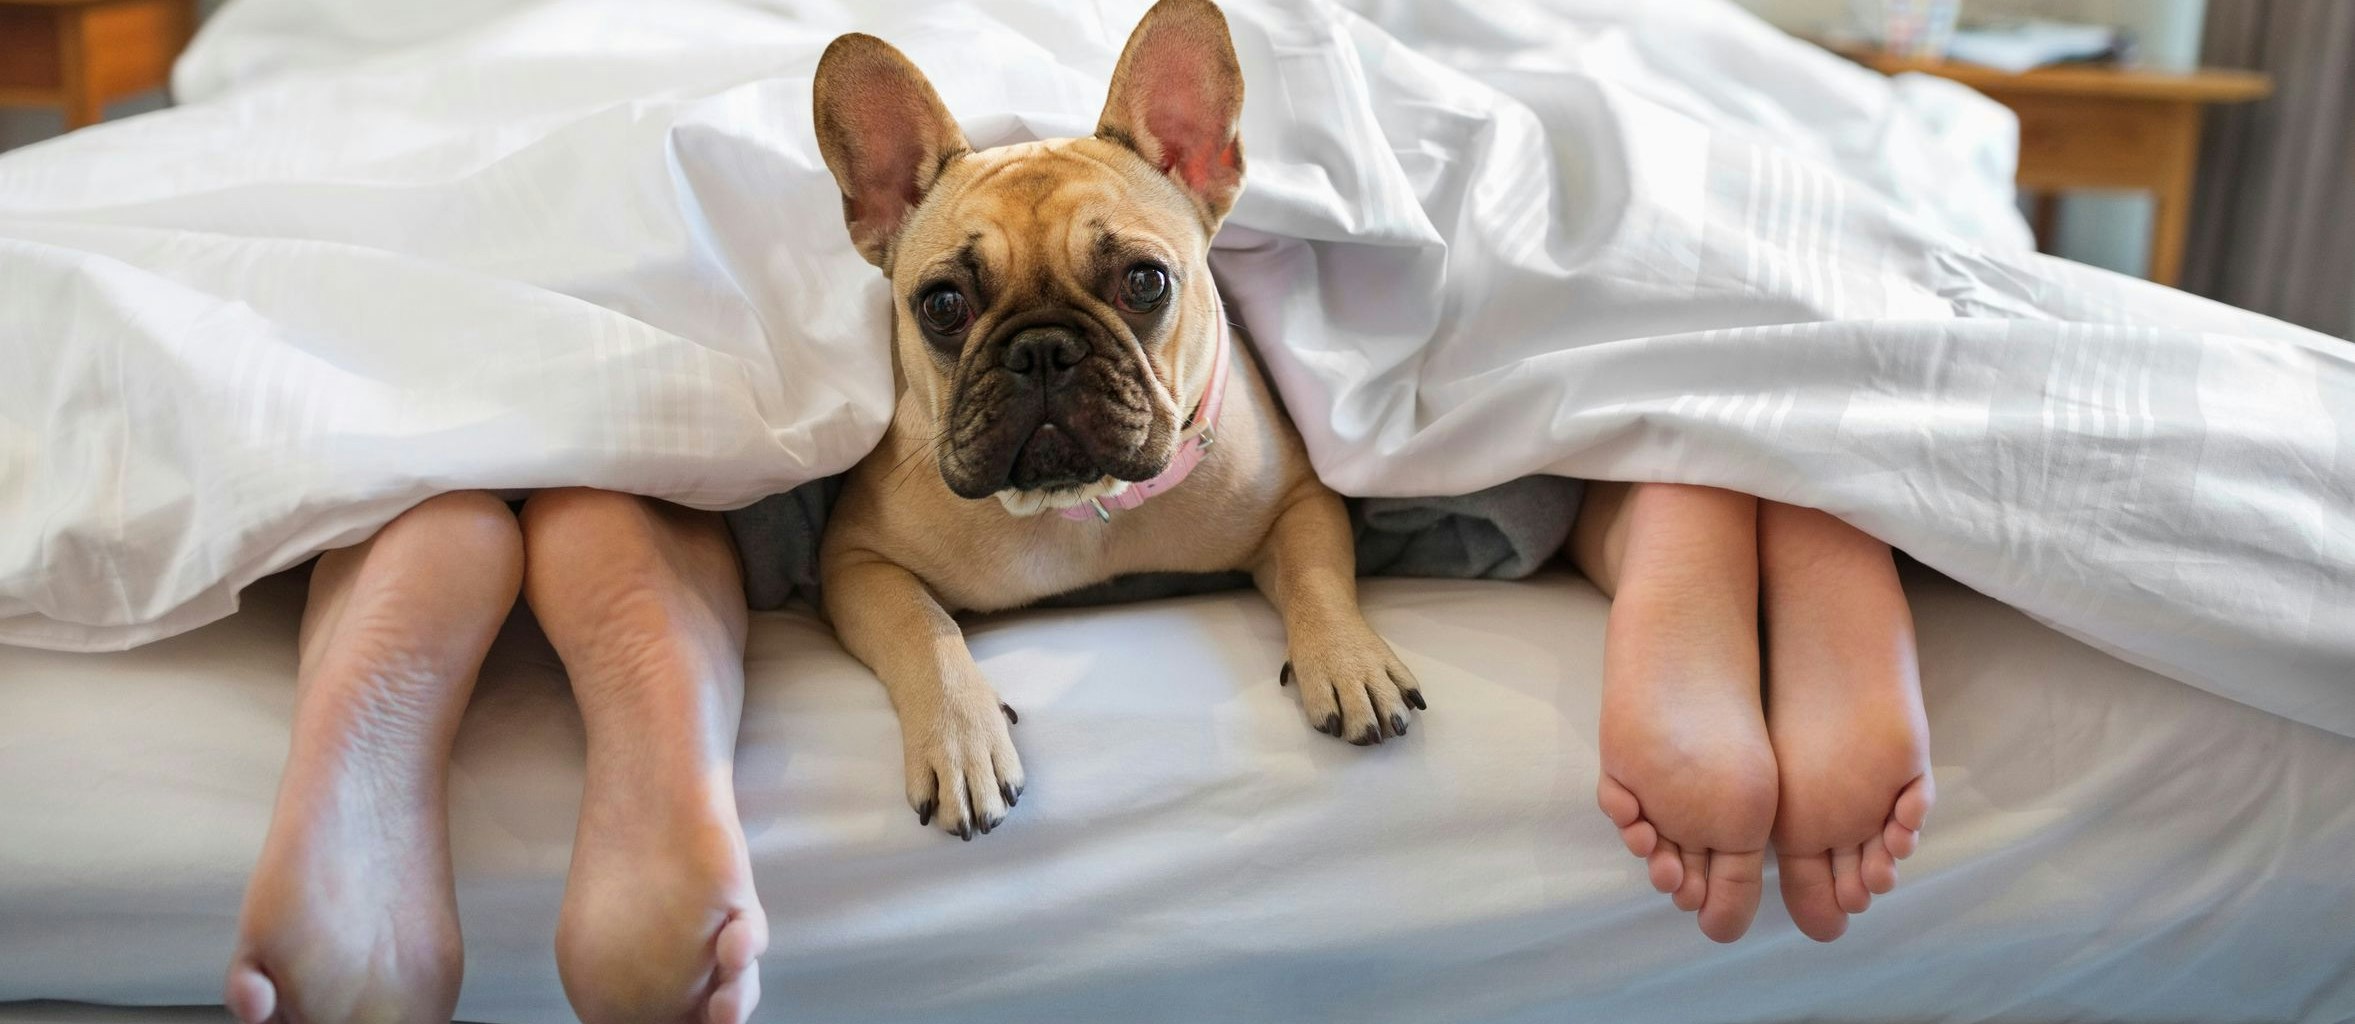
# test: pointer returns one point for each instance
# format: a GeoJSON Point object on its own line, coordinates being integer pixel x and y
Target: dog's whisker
{"type": "Point", "coordinates": [932, 455]}
{"type": "Point", "coordinates": [903, 471]}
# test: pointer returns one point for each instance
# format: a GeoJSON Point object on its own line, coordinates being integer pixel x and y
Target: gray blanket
{"type": "Point", "coordinates": [1504, 532]}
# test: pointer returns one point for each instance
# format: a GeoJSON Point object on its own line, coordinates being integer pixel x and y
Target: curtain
{"type": "Point", "coordinates": [2273, 227]}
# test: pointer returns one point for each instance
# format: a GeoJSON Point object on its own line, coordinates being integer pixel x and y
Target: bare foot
{"type": "Point", "coordinates": [643, 602]}
{"type": "Point", "coordinates": [350, 915]}
{"type": "Point", "coordinates": [1844, 705]}
{"type": "Point", "coordinates": [660, 922]}
{"type": "Point", "coordinates": [1688, 775]}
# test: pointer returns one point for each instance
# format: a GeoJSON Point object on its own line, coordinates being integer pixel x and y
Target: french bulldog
{"type": "Point", "coordinates": [1074, 405]}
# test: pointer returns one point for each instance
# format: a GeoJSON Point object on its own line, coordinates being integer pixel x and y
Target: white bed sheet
{"type": "Point", "coordinates": [2108, 844]}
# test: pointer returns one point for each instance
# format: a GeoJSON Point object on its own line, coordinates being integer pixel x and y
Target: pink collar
{"type": "Point", "coordinates": [1190, 451]}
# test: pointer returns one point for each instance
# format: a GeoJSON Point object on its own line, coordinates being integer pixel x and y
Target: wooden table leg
{"type": "Point", "coordinates": [82, 106]}
{"type": "Point", "coordinates": [2171, 215]}
{"type": "Point", "coordinates": [2047, 220]}
{"type": "Point", "coordinates": [83, 110]}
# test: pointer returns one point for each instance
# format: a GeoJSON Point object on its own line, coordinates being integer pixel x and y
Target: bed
{"type": "Point", "coordinates": [2108, 845]}
{"type": "Point", "coordinates": [388, 250]}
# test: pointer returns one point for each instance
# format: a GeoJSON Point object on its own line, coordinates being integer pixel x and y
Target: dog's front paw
{"type": "Point", "coordinates": [1353, 687]}
{"type": "Point", "coordinates": [963, 774]}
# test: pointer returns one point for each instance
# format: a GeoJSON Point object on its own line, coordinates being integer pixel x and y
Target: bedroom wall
{"type": "Point", "coordinates": [2111, 231]}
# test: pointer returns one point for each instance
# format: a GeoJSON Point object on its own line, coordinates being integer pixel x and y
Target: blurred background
{"type": "Point", "coordinates": [2205, 145]}
{"type": "Point", "coordinates": [2270, 224]}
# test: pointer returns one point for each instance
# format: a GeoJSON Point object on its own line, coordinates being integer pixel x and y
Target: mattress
{"type": "Point", "coordinates": [2108, 844]}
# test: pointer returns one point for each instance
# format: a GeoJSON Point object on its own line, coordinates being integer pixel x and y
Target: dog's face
{"type": "Point", "coordinates": [1052, 300]}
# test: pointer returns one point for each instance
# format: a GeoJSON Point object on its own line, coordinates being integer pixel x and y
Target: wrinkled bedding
{"type": "Point", "coordinates": [390, 250]}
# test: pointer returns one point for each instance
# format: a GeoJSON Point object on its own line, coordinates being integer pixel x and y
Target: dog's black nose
{"type": "Point", "coordinates": [1043, 352]}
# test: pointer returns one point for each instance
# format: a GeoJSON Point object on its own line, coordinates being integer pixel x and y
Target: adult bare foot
{"type": "Point", "coordinates": [350, 915]}
{"type": "Point", "coordinates": [1688, 774]}
{"type": "Point", "coordinates": [1844, 707]}
{"type": "Point", "coordinates": [643, 602]}
{"type": "Point", "coordinates": [660, 922]}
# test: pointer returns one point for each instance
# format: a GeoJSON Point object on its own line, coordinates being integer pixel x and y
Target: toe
{"type": "Point", "coordinates": [1694, 887]}
{"type": "Point", "coordinates": [1641, 838]}
{"type": "Point", "coordinates": [1667, 866]}
{"type": "Point", "coordinates": [1900, 840]}
{"type": "Point", "coordinates": [735, 989]}
{"type": "Point", "coordinates": [923, 790]}
{"type": "Point", "coordinates": [1410, 690]}
{"type": "Point", "coordinates": [1321, 705]}
{"type": "Point", "coordinates": [955, 816]}
{"type": "Point", "coordinates": [1008, 766]}
{"type": "Point", "coordinates": [1913, 804]}
{"type": "Point", "coordinates": [1807, 894]}
{"type": "Point", "coordinates": [733, 1000]}
{"type": "Point", "coordinates": [741, 942]}
{"type": "Point", "coordinates": [1391, 705]}
{"type": "Point", "coordinates": [1848, 881]}
{"type": "Point", "coordinates": [985, 799]}
{"type": "Point", "coordinates": [1735, 881]}
{"type": "Point", "coordinates": [1618, 802]}
{"type": "Point", "coordinates": [249, 995]}
{"type": "Point", "coordinates": [1357, 715]}
{"type": "Point", "coordinates": [1877, 867]}
{"type": "Point", "coordinates": [1390, 710]}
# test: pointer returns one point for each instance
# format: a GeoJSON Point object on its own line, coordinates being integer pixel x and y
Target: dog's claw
{"type": "Point", "coordinates": [1284, 678]}
{"type": "Point", "coordinates": [1414, 699]}
{"type": "Point", "coordinates": [924, 812]}
{"type": "Point", "coordinates": [1398, 723]}
{"type": "Point", "coordinates": [1331, 725]}
{"type": "Point", "coordinates": [1371, 736]}
{"type": "Point", "coordinates": [1006, 792]}
{"type": "Point", "coordinates": [965, 831]}
{"type": "Point", "coordinates": [1011, 717]}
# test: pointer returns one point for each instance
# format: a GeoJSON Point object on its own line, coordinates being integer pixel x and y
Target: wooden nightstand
{"type": "Point", "coordinates": [79, 54]}
{"type": "Point", "coordinates": [2105, 127]}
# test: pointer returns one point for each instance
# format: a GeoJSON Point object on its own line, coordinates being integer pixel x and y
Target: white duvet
{"type": "Point", "coordinates": [387, 250]}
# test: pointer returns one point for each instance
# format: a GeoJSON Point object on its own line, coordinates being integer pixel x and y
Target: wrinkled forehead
{"type": "Point", "coordinates": [1052, 209]}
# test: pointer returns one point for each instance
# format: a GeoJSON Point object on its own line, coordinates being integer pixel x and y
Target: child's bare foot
{"type": "Point", "coordinates": [1688, 775]}
{"type": "Point", "coordinates": [350, 915]}
{"type": "Point", "coordinates": [1844, 705]}
{"type": "Point", "coordinates": [642, 601]}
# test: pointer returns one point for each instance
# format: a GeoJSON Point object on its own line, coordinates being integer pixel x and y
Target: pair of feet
{"type": "Point", "coordinates": [1703, 767]}
{"type": "Point", "coordinates": [351, 915]}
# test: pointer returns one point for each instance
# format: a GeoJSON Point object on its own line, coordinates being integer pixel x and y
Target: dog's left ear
{"type": "Point", "coordinates": [1176, 98]}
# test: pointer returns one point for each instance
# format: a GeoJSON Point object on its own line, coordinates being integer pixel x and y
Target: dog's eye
{"type": "Point", "coordinates": [945, 310]}
{"type": "Point", "coordinates": [1143, 290]}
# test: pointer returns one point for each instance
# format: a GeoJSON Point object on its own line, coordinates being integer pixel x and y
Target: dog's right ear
{"type": "Point", "coordinates": [884, 134]}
